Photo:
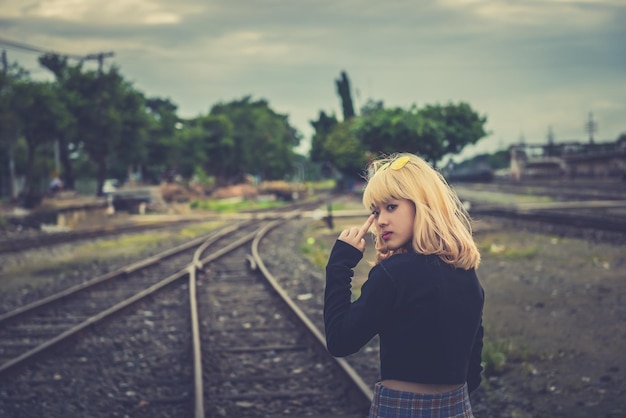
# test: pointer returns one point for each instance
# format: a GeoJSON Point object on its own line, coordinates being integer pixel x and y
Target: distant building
{"type": "Point", "coordinates": [569, 160]}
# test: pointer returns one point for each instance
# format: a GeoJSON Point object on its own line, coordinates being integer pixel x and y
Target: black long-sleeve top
{"type": "Point", "coordinates": [427, 313]}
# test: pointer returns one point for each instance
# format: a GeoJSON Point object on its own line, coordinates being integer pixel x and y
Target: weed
{"type": "Point", "coordinates": [315, 251]}
{"type": "Point", "coordinates": [494, 357]}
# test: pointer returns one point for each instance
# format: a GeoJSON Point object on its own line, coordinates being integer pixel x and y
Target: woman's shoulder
{"type": "Point", "coordinates": [409, 262]}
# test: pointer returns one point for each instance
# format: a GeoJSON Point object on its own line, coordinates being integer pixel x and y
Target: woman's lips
{"type": "Point", "coordinates": [386, 235]}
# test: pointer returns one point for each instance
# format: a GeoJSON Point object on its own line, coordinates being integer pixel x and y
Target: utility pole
{"type": "Point", "coordinates": [100, 58]}
{"type": "Point", "coordinates": [9, 133]}
{"type": "Point", "coordinates": [102, 165]}
{"type": "Point", "coordinates": [591, 127]}
{"type": "Point", "coordinates": [550, 136]}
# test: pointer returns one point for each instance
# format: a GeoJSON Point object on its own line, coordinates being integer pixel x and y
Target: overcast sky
{"type": "Point", "coordinates": [527, 65]}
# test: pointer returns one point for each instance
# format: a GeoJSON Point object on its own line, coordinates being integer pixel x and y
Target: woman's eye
{"type": "Point", "coordinates": [390, 208]}
{"type": "Point", "coordinates": [375, 213]}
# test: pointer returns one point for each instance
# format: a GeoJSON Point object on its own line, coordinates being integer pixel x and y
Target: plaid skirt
{"type": "Point", "coordinates": [390, 403]}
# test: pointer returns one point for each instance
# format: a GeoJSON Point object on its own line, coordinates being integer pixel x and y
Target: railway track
{"type": "Point", "coordinates": [265, 358]}
{"type": "Point", "coordinates": [557, 189]}
{"type": "Point", "coordinates": [68, 312]}
{"type": "Point", "coordinates": [583, 211]}
{"type": "Point", "coordinates": [16, 243]}
{"type": "Point", "coordinates": [130, 344]}
{"type": "Point", "coordinates": [594, 216]}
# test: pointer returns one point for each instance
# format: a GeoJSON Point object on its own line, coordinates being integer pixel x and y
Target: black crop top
{"type": "Point", "coordinates": [427, 313]}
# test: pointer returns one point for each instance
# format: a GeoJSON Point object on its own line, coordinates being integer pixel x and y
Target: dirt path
{"type": "Point", "coordinates": [556, 308]}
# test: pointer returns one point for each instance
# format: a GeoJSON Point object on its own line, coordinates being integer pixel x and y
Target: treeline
{"type": "Point", "coordinates": [432, 131]}
{"type": "Point", "coordinates": [95, 124]}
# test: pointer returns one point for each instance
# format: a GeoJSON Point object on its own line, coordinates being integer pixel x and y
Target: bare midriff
{"type": "Point", "coordinates": [429, 389]}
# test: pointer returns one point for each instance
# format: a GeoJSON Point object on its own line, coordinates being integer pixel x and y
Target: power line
{"type": "Point", "coordinates": [34, 49]}
{"type": "Point", "coordinates": [30, 48]}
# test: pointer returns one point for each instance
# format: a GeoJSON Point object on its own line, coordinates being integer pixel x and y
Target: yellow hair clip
{"type": "Point", "coordinates": [396, 164]}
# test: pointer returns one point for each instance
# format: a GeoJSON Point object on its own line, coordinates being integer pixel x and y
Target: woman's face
{"type": "Point", "coordinates": [394, 222]}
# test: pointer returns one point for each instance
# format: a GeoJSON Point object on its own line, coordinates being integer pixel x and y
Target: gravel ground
{"type": "Point", "coordinates": [30, 275]}
{"type": "Point", "coordinates": [554, 313]}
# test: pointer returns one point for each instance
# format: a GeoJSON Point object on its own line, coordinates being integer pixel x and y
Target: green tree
{"type": "Point", "coordinates": [43, 118]}
{"type": "Point", "coordinates": [66, 140]}
{"type": "Point", "coordinates": [323, 126]}
{"type": "Point", "coordinates": [371, 105]}
{"type": "Point", "coordinates": [385, 131]}
{"type": "Point", "coordinates": [100, 123]}
{"type": "Point", "coordinates": [346, 151]}
{"type": "Point", "coordinates": [207, 143]}
{"type": "Point", "coordinates": [375, 130]}
{"type": "Point", "coordinates": [264, 140]}
{"type": "Point", "coordinates": [432, 132]}
{"type": "Point", "coordinates": [459, 124]}
{"type": "Point", "coordinates": [130, 153]}
{"type": "Point", "coordinates": [112, 124]}
{"type": "Point", "coordinates": [10, 123]}
{"type": "Point", "coordinates": [163, 135]}
{"type": "Point", "coordinates": [345, 95]}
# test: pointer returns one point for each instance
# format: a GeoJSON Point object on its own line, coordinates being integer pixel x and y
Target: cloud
{"type": "Point", "coordinates": [558, 13]}
{"type": "Point", "coordinates": [525, 64]}
{"type": "Point", "coordinates": [142, 12]}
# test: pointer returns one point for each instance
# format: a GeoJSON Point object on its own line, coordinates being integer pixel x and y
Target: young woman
{"type": "Point", "coordinates": [422, 296]}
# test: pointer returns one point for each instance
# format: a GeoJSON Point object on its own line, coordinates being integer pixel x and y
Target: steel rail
{"type": "Point", "coordinates": [11, 364]}
{"type": "Point", "coordinates": [198, 264]}
{"type": "Point", "coordinates": [115, 273]}
{"type": "Point", "coordinates": [4, 368]}
{"type": "Point", "coordinates": [190, 272]}
{"type": "Point", "coordinates": [364, 390]}
{"type": "Point", "coordinates": [195, 334]}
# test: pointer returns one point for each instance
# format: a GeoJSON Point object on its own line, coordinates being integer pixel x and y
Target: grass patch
{"type": "Point", "coordinates": [322, 185]}
{"type": "Point", "coordinates": [509, 248]}
{"type": "Point", "coordinates": [512, 253]}
{"type": "Point", "coordinates": [499, 353]}
{"type": "Point", "coordinates": [196, 230]}
{"type": "Point", "coordinates": [233, 206]}
{"type": "Point", "coordinates": [340, 206]}
{"type": "Point", "coordinates": [116, 247]}
{"type": "Point", "coordinates": [33, 269]}
{"type": "Point", "coordinates": [316, 251]}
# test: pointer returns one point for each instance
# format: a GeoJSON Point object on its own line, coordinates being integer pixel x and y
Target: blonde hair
{"type": "Point", "coordinates": [442, 226]}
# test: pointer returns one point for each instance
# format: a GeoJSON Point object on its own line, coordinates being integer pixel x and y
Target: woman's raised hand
{"type": "Point", "coordinates": [355, 236]}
